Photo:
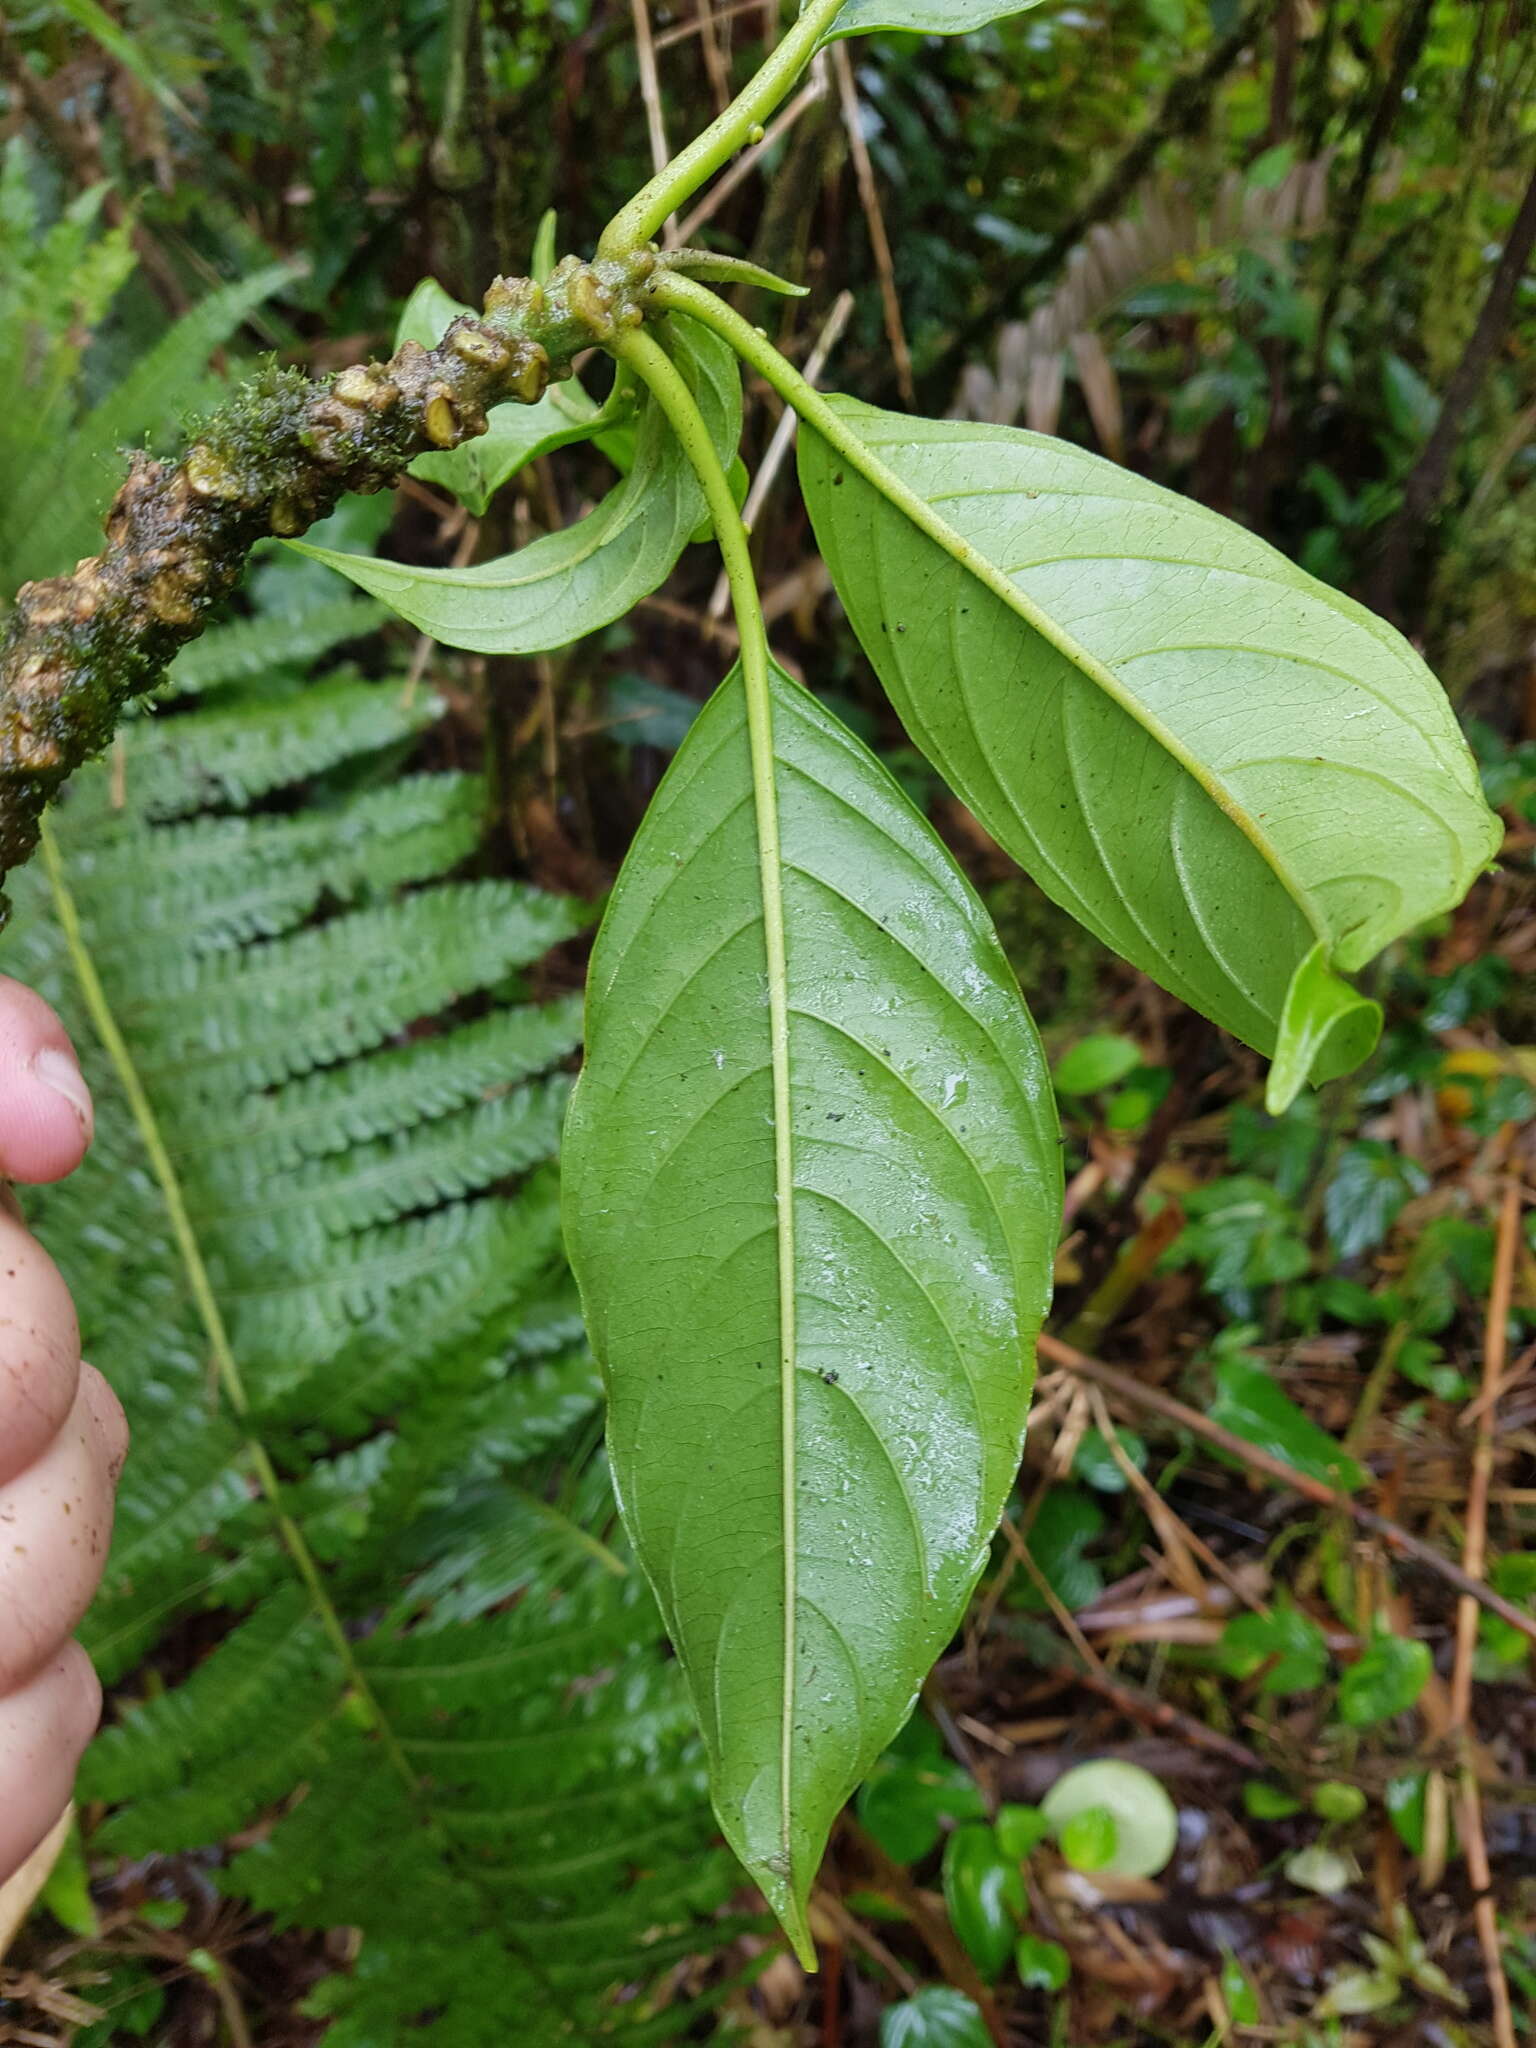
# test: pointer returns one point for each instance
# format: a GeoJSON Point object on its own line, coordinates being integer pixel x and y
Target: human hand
{"type": "Point", "coordinates": [63, 1439]}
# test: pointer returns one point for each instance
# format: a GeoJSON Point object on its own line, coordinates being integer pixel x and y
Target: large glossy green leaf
{"type": "Point", "coordinates": [922, 17]}
{"type": "Point", "coordinates": [566, 584]}
{"type": "Point", "coordinates": [1234, 775]}
{"type": "Point", "coordinates": [814, 1415]}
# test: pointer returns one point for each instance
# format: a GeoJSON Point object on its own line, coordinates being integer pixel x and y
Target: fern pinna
{"type": "Point", "coordinates": [318, 1241]}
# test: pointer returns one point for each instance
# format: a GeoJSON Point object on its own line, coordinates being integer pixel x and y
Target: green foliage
{"type": "Point", "coordinates": [1049, 675]}
{"type": "Point", "coordinates": [812, 1164]}
{"type": "Point", "coordinates": [1089, 1839]}
{"type": "Point", "coordinates": [1250, 1404]}
{"type": "Point", "coordinates": [913, 1790]}
{"type": "Point", "coordinates": [935, 2018]}
{"type": "Point", "coordinates": [1285, 1648]}
{"type": "Point", "coordinates": [1096, 1062]}
{"type": "Point", "coordinates": [921, 17]}
{"type": "Point", "coordinates": [476, 1678]}
{"type": "Point", "coordinates": [984, 1895]}
{"type": "Point", "coordinates": [1063, 1531]}
{"type": "Point", "coordinates": [1115, 1816]}
{"type": "Point", "coordinates": [1369, 1186]}
{"type": "Point", "coordinates": [60, 453]}
{"type": "Point", "coordinates": [1245, 1235]}
{"type": "Point", "coordinates": [1386, 1679]}
{"type": "Point", "coordinates": [1041, 1965]}
{"type": "Point", "coordinates": [880, 1431]}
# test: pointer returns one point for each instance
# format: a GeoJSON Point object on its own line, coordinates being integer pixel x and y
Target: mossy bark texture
{"type": "Point", "coordinates": [273, 460]}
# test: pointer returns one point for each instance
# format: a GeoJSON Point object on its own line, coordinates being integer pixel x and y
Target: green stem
{"type": "Point", "coordinates": [106, 1027]}
{"type": "Point", "coordinates": [634, 224]}
{"type": "Point", "coordinates": [651, 363]}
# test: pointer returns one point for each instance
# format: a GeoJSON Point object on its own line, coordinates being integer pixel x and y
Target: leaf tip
{"type": "Point", "coordinates": [1326, 1029]}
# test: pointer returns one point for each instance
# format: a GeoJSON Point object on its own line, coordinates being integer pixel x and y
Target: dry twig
{"type": "Point", "coordinates": [1474, 1557]}
{"type": "Point", "coordinates": [1129, 1388]}
{"type": "Point", "coordinates": [879, 241]}
{"type": "Point", "coordinates": [650, 94]}
{"type": "Point", "coordinates": [814, 89]}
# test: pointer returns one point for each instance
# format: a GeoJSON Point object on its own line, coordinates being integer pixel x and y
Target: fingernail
{"type": "Point", "coordinates": [57, 1070]}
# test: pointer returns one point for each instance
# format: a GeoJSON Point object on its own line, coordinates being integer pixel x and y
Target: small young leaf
{"type": "Point", "coordinates": [1285, 1640]}
{"type": "Point", "coordinates": [1066, 1525]}
{"type": "Point", "coordinates": [1218, 764]}
{"type": "Point", "coordinates": [984, 1892]}
{"type": "Point", "coordinates": [1238, 1994]}
{"type": "Point", "coordinates": [1144, 1820]}
{"type": "Point", "coordinates": [1370, 1184]}
{"type": "Point", "coordinates": [1245, 1235]}
{"type": "Point", "coordinates": [566, 584]}
{"type": "Point", "coordinates": [713, 266]}
{"type": "Point", "coordinates": [1089, 1839]}
{"type": "Point", "coordinates": [1250, 1404]}
{"type": "Point", "coordinates": [912, 1790]}
{"type": "Point", "coordinates": [643, 713]}
{"type": "Point", "coordinates": [809, 1405]}
{"type": "Point", "coordinates": [1095, 1464]}
{"type": "Point", "coordinates": [1042, 1965]}
{"type": "Point", "coordinates": [66, 1890]}
{"type": "Point", "coordinates": [1335, 1801]}
{"type": "Point", "coordinates": [922, 17]}
{"type": "Point", "coordinates": [1322, 1870]}
{"type": "Point", "coordinates": [1355, 1992]}
{"type": "Point", "coordinates": [1404, 1800]}
{"type": "Point", "coordinates": [544, 250]}
{"type": "Point", "coordinates": [1386, 1679]}
{"type": "Point", "coordinates": [1268, 1802]}
{"type": "Point", "coordinates": [936, 2018]}
{"type": "Point", "coordinates": [1020, 1829]}
{"type": "Point", "coordinates": [1095, 1062]}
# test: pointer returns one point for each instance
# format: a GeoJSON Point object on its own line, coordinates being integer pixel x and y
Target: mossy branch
{"type": "Point", "coordinates": [273, 460]}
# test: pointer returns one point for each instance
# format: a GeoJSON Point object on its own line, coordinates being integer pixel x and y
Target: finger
{"type": "Point", "coordinates": [43, 1729]}
{"type": "Point", "coordinates": [39, 1350]}
{"type": "Point", "coordinates": [110, 1422]}
{"type": "Point", "coordinates": [55, 1525]}
{"type": "Point", "coordinates": [46, 1117]}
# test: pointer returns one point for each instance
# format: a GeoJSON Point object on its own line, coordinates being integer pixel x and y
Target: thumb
{"type": "Point", "coordinates": [46, 1117]}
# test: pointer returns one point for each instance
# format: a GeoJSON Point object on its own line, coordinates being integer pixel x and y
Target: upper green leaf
{"type": "Point", "coordinates": [570, 583]}
{"type": "Point", "coordinates": [815, 1416]}
{"type": "Point", "coordinates": [1220, 765]}
{"type": "Point", "coordinates": [922, 17]}
{"type": "Point", "coordinates": [515, 433]}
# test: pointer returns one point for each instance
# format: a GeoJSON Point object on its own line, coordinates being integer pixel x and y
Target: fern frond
{"type": "Point", "coordinates": [440, 1710]}
{"type": "Point", "coordinates": [252, 650]}
{"type": "Point", "coordinates": [298, 1301]}
{"type": "Point", "coordinates": [243, 1020]}
{"type": "Point", "coordinates": [238, 752]}
{"type": "Point", "coordinates": [395, 1089]}
{"type": "Point", "coordinates": [217, 1712]}
{"type": "Point", "coordinates": [216, 883]}
{"type": "Point", "coordinates": [1166, 228]}
{"type": "Point", "coordinates": [63, 521]}
{"type": "Point", "coordinates": [453, 1155]}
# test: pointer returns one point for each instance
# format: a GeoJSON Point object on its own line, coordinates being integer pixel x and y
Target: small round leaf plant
{"type": "Point", "coordinates": [811, 1169]}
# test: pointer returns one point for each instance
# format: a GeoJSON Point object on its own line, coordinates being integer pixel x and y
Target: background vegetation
{"type": "Point", "coordinates": [394, 1747]}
